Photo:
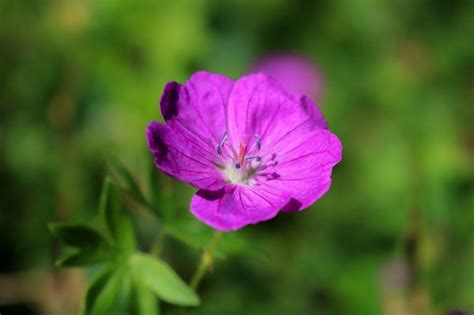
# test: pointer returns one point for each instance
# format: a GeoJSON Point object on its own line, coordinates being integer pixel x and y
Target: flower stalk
{"type": "Point", "coordinates": [207, 260]}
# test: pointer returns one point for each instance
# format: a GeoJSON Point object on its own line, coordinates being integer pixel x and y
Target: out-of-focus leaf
{"type": "Point", "coordinates": [103, 292]}
{"type": "Point", "coordinates": [84, 258]}
{"type": "Point", "coordinates": [199, 236]}
{"type": "Point", "coordinates": [79, 236]}
{"type": "Point", "coordinates": [117, 223]}
{"type": "Point", "coordinates": [126, 181]}
{"type": "Point", "coordinates": [142, 300]}
{"type": "Point", "coordinates": [162, 280]}
{"type": "Point", "coordinates": [196, 241]}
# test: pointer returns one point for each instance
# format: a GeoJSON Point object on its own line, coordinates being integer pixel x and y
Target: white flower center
{"type": "Point", "coordinates": [244, 166]}
{"type": "Point", "coordinates": [238, 176]}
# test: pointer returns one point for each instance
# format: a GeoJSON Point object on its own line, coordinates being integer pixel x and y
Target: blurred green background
{"type": "Point", "coordinates": [80, 80]}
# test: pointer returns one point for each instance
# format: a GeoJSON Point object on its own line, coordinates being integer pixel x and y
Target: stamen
{"type": "Point", "coordinates": [257, 142]}
{"type": "Point", "coordinates": [221, 144]}
{"type": "Point", "coordinates": [255, 164]}
{"type": "Point", "coordinates": [267, 162]}
{"type": "Point", "coordinates": [246, 168]}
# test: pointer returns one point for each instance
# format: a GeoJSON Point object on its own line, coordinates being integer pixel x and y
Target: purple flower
{"type": "Point", "coordinates": [297, 74]}
{"type": "Point", "coordinates": [251, 148]}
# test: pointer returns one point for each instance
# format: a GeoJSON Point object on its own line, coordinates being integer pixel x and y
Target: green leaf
{"type": "Point", "coordinates": [127, 182]}
{"type": "Point", "coordinates": [163, 280]}
{"type": "Point", "coordinates": [143, 301]}
{"type": "Point", "coordinates": [84, 258]}
{"type": "Point", "coordinates": [113, 214]}
{"type": "Point", "coordinates": [79, 236]}
{"type": "Point", "coordinates": [103, 292]}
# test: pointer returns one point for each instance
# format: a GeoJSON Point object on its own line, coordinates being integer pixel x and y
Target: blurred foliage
{"type": "Point", "coordinates": [140, 275]}
{"type": "Point", "coordinates": [80, 80]}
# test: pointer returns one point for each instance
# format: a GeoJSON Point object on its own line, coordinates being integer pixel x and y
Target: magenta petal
{"type": "Point", "coordinates": [198, 107]}
{"type": "Point", "coordinates": [235, 206]}
{"type": "Point", "coordinates": [195, 115]}
{"type": "Point", "coordinates": [304, 167]}
{"type": "Point", "coordinates": [258, 106]}
{"type": "Point", "coordinates": [182, 158]}
{"type": "Point", "coordinates": [313, 111]}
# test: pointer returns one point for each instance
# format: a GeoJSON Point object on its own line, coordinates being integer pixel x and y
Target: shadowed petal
{"type": "Point", "coordinates": [233, 207]}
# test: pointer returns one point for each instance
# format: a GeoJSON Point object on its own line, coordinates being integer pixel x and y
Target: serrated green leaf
{"type": "Point", "coordinates": [142, 300]}
{"type": "Point", "coordinates": [79, 236]}
{"type": "Point", "coordinates": [103, 292]}
{"type": "Point", "coordinates": [116, 221]}
{"type": "Point", "coordinates": [159, 277]}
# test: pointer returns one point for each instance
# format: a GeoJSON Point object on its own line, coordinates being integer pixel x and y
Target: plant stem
{"type": "Point", "coordinates": [207, 260]}
{"type": "Point", "coordinates": [158, 244]}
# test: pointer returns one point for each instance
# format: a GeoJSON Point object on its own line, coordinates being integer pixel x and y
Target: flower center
{"type": "Point", "coordinates": [242, 167]}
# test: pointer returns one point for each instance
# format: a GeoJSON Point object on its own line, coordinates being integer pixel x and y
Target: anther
{"type": "Point", "coordinates": [257, 142]}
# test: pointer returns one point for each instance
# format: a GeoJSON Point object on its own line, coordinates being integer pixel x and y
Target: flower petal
{"type": "Point", "coordinates": [314, 112]}
{"type": "Point", "coordinates": [198, 108]}
{"type": "Point", "coordinates": [181, 157]}
{"type": "Point", "coordinates": [304, 167]}
{"type": "Point", "coordinates": [235, 206]}
{"type": "Point", "coordinates": [195, 115]}
{"type": "Point", "coordinates": [259, 106]}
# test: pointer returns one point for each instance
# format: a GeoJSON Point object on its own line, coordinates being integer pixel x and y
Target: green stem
{"type": "Point", "coordinates": [158, 244]}
{"type": "Point", "coordinates": [207, 260]}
